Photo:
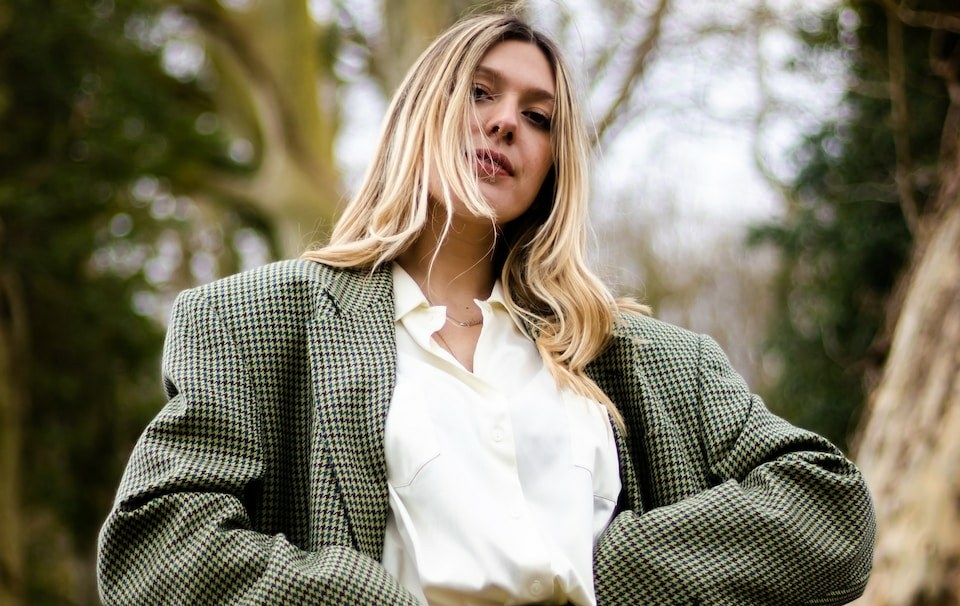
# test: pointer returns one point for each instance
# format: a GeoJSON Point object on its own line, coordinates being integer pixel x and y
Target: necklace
{"type": "Point", "coordinates": [455, 321]}
{"type": "Point", "coordinates": [476, 322]}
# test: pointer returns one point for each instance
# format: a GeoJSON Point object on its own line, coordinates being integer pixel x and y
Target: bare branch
{"type": "Point", "coordinates": [928, 19]}
{"type": "Point", "coordinates": [945, 62]}
{"type": "Point", "coordinates": [354, 31]}
{"type": "Point", "coordinates": [767, 108]}
{"type": "Point", "coordinates": [900, 121]}
{"type": "Point", "coordinates": [638, 67]}
{"type": "Point", "coordinates": [608, 52]}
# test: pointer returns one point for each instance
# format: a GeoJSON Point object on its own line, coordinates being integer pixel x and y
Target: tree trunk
{"type": "Point", "coordinates": [909, 447]}
{"type": "Point", "coordinates": [277, 92]}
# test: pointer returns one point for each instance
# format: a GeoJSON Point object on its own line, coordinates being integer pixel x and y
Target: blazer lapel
{"type": "Point", "coordinates": [618, 375]}
{"type": "Point", "coordinates": [631, 497]}
{"type": "Point", "coordinates": [654, 452]}
{"type": "Point", "coordinates": [353, 358]}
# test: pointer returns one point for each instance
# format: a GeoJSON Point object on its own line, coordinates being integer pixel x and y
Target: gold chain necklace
{"type": "Point", "coordinates": [450, 318]}
{"type": "Point", "coordinates": [453, 320]}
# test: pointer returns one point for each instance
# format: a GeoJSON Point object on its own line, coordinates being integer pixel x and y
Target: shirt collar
{"type": "Point", "coordinates": [498, 302]}
{"type": "Point", "coordinates": [408, 297]}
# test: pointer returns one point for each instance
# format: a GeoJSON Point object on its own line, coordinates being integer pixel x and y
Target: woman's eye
{"type": "Point", "coordinates": [479, 92]}
{"type": "Point", "coordinates": [541, 121]}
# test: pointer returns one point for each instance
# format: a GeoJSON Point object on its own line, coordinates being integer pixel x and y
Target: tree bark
{"type": "Point", "coordinates": [909, 450]}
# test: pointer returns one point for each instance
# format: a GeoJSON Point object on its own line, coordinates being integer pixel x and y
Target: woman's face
{"type": "Point", "coordinates": [514, 94]}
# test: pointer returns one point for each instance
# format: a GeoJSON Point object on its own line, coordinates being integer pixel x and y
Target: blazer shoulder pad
{"type": "Point", "coordinates": [654, 336]}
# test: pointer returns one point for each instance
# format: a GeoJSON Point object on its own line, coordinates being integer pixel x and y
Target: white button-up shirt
{"type": "Point", "coordinates": [500, 483]}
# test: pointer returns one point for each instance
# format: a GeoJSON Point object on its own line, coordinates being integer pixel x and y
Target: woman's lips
{"type": "Point", "coordinates": [493, 164]}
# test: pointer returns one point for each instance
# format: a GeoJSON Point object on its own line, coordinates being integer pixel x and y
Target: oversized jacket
{"type": "Point", "coordinates": [263, 480]}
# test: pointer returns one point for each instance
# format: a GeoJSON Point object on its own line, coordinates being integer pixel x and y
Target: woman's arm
{"type": "Point", "coordinates": [788, 521]}
{"type": "Point", "coordinates": [181, 530]}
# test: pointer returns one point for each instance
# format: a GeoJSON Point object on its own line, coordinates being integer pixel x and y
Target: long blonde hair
{"type": "Point", "coordinates": [545, 279]}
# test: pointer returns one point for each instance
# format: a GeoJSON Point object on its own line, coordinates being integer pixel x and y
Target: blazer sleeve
{"type": "Point", "coordinates": [180, 531]}
{"type": "Point", "coordinates": [787, 519]}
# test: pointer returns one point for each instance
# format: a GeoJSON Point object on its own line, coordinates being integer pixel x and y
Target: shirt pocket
{"type": "Point", "coordinates": [410, 441]}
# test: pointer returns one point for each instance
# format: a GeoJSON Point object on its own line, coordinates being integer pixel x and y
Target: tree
{"type": "Point", "coordinates": [286, 106]}
{"type": "Point", "coordinates": [914, 470]}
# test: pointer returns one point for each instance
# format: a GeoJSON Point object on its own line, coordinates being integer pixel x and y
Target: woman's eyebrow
{"type": "Point", "coordinates": [535, 93]}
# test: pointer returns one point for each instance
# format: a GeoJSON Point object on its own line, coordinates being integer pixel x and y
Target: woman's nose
{"type": "Point", "coordinates": [502, 122]}
{"type": "Point", "coordinates": [501, 132]}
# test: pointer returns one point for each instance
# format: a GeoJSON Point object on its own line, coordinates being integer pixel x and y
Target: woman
{"type": "Point", "coordinates": [443, 405]}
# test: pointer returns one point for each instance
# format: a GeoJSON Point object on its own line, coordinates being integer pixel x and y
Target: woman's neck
{"type": "Point", "coordinates": [457, 270]}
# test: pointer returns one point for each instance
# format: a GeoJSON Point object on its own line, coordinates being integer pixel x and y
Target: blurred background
{"type": "Point", "coordinates": [781, 174]}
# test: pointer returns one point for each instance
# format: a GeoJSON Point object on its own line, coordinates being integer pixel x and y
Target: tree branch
{"type": "Point", "coordinates": [945, 63]}
{"type": "Point", "coordinates": [928, 19]}
{"type": "Point", "coordinates": [768, 105]}
{"type": "Point", "coordinates": [638, 67]}
{"type": "Point", "coordinates": [900, 121]}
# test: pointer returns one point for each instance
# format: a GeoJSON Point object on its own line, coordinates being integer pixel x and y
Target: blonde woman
{"type": "Point", "coordinates": [443, 405]}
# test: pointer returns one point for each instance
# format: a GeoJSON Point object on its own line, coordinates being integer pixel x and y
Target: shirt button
{"type": "Point", "coordinates": [497, 435]}
{"type": "Point", "coordinates": [536, 588]}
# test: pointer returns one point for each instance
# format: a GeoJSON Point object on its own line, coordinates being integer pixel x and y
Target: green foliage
{"type": "Point", "coordinates": [845, 240]}
{"type": "Point", "coordinates": [87, 112]}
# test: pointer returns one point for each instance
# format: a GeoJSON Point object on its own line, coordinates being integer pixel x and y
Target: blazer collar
{"type": "Point", "coordinates": [356, 292]}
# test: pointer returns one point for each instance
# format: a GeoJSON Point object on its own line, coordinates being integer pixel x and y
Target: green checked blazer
{"type": "Point", "coordinates": [263, 480]}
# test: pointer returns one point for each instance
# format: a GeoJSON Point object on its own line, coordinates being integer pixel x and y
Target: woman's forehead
{"type": "Point", "coordinates": [519, 63]}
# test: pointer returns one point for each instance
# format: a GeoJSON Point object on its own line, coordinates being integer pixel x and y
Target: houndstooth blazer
{"type": "Point", "coordinates": [263, 480]}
